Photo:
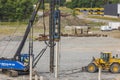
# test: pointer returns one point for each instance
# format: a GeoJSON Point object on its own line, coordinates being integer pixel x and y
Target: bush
{"type": "Point", "coordinates": [15, 10]}
{"type": "Point", "coordinates": [69, 4]}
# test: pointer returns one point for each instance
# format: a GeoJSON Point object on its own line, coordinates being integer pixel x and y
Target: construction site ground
{"type": "Point", "coordinates": [75, 53]}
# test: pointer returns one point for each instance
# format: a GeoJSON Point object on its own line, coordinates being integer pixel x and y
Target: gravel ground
{"type": "Point", "coordinates": [75, 52]}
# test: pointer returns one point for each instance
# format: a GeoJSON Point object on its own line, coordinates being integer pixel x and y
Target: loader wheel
{"type": "Point", "coordinates": [92, 68]}
{"type": "Point", "coordinates": [115, 68]}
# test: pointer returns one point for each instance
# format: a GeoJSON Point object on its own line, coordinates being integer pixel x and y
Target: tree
{"type": "Point", "coordinates": [115, 1]}
{"type": "Point", "coordinates": [24, 9]}
{"type": "Point", "coordinates": [69, 4]}
{"type": "Point", "coordinates": [89, 3]}
{"type": "Point", "coordinates": [13, 10]}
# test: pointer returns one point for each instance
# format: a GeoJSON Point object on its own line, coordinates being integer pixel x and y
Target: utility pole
{"type": "Point", "coordinates": [51, 32]}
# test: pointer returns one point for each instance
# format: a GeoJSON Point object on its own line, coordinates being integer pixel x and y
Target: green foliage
{"type": "Point", "coordinates": [15, 10]}
{"type": "Point", "coordinates": [105, 18]}
{"type": "Point", "coordinates": [73, 13]}
{"type": "Point", "coordinates": [61, 3]}
{"type": "Point", "coordinates": [89, 3]}
{"type": "Point", "coordinates": [115, 1]}
{"type": "Point", "coordinates": [69, 5]}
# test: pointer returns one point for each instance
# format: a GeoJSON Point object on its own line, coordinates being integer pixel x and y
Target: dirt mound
{"type": "Point", "coordinates": [65, 21]}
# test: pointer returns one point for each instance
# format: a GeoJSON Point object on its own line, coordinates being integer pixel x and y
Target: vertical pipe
{"type": "Point", "coordinates": [30, 52]}
{"type": "Point", "coordinates": [99, 74]}
{"type": "Point", "coordinates": [57, 60]}
{"type": "Point", "coordinates": [41, 78]}
{"type": "Point", "coordinates": [36, 77]}
{"type": "Point", "coordinates": [30, 67]}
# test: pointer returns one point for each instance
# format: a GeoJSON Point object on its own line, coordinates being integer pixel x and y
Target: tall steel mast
{"type": "Point", "coordinates": [51, 32]}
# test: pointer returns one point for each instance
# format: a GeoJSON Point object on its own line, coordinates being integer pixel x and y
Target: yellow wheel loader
{"type": "Point", "coordinates": [105, 62]}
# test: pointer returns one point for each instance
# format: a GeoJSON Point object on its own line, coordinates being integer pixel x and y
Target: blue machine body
{"type": "Point", "coordinates": [13, 64]}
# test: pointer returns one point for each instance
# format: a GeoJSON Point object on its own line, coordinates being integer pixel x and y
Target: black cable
{"type": "Point", "coordinates": [30, 24]}
{"type": "Point", "coordinates": [11, 35]}
{"type": "Point", "coordinates": [44, 18]}
{"type": "Point", "coordinates": [40, 53]}
{"type": "Point", "coordinates": [16, 44]}
{"type": "Point", "coordinates": [58, 2]}
{"type": "Point", "coordinates": [39, 56]}
{"type": "Point", "coordinates": [45, 27]}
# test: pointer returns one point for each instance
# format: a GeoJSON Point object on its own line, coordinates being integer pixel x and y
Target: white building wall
{"type": "Point", "coordinates": [118, 8]}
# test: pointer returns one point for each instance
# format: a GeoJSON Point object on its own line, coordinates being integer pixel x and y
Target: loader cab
{"type": "Point", "coordinates": [105, 56]}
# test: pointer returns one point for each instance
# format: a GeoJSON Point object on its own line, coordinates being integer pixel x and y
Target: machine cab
{"type": "Point", "coordinates": [24, 58]}
{"type": "Point", "coordinates": [105, 56]}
